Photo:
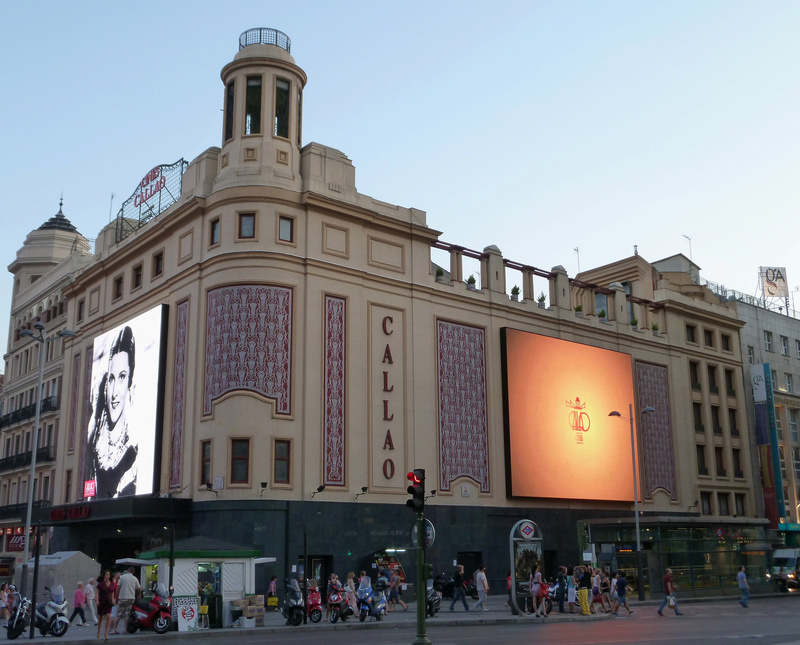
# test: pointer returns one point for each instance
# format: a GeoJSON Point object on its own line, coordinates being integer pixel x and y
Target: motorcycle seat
{"type": "Point", "coordinates": [142, 604]}
{"type": "Point", "coordinates": [41, 607]}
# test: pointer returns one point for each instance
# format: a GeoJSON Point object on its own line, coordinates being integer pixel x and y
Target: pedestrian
{"type": "Point", "coordinates": [105, 602]}
{"type": "Point", "coordinates": [394, 591]}
{"type": "Point", "coordinates": [458, 588]}
{"type": "Point", "coordinates": [5, 601]}
{"type": "Point", "coordinates": [534, 584]}
{"type": "Point", "coordinates": [114, 609]}
{"type": "Point", "coordinates": [572, 589]}
{"type": "Point", "coordinates": [91, 602]}
{"type": "Point", "coordinates": [78, 601]}
{"type": "Point", "coordinates": [483, 588]}
{"type": "Point", "coordinates": [510, 601]}
{"type": "Point", "coordinates": [126, 594]}
{"type": "Point", "coordinates": [622, 590]}
{"type": "Point", "coordinates": [669, 594]}
{"type": "Point", "coordinates": [333, 586]}
{"type": "Point", "coordinates": [741, 577]}
{"type": "Point", "coordinates": [561, 588]}
{"type": "Point", "coordinates": [584, 589]}
{"type": "Point", "coordinates": [605, 589]}
{"type": "Point", "coordinates": [272, 592]}
{"type": "Point", "coordinates": [597, 594]}
{"type": "Point", "coordinates": [350, 592]}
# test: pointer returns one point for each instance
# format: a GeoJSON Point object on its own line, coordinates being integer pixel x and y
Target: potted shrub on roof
{"type": "Point", "coordinates": [471, 283]}
{"type": "Point", "coordinates": [515, 292]}
{"type": "Point", "coordinates": [540, 299]}
{"type": "Point", "coordinates": [439, 274]}
{"type": "Point", "coordinates": [602, 315]}
{"type": "Point", "coordinates": [634, 323]}
{"type": "Point", "coordinates": [654, 327]}
{"type": "Point", "coordinates": [579, 311]}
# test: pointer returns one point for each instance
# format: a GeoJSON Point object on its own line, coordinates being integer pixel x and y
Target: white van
{"type": "Point", "coordinates": [789, 559]}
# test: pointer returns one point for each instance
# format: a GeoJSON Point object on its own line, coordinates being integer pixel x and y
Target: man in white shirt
{"type": "Point", "coordinates": [128, 586]}
{"type": "Point", "coordinates": [91, 602]}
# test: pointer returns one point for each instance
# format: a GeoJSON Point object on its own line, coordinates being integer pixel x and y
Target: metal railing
{"type": "Point", "coordinates": [49, 404]}
{"type": "Point", "coordinates": [46, 453]}
{"type": "Point", "coordinates": [19, 510]}
{"type": "Point", "coordinates": [265, 36]}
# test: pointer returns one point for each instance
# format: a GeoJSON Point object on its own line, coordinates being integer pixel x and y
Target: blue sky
{"type": "Point", "coordinates": [535, 126]}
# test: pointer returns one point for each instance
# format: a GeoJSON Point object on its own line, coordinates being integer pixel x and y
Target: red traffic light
{"type": "Point", "coordinates": [414, 478]}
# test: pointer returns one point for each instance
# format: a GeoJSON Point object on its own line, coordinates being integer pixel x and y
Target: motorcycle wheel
{"type": "Point", "coordinates": [15, 630]}
{"type": "Point", "coordinates": [379, 616]}
{"type": "Point", "coordinates": [162, 624]}
{"type": "Point", "coordinates": [296, 617]}
{"type": "Point", "coordinates": [316, 615]}
{"type": "Point", "coordinates": [334, 615]}
{"type": "Point", "coordinates": [133, 624]}
{"type": "Point", "coordinates": [548, 605]}
{"type": "Point", "coordinates": [58, 629]}
{"type": "Point", "coordinates": [361, 617]}
{"type": "Point", "coordinates": [473, 594]}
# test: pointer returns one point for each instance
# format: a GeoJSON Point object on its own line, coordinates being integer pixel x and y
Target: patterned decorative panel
{"type": "Point", "coordinates": [87, 411]}
{"type": "Point", "coordinates": [656, 456]}
{"type": "Point", "coordinates": [249, 343]}
{"type": "Point", "coordinates": [463, 426]}
{"type": "Point", "coordinates": [334, 391]}
{"type": "Point", "coordinates": [179, 395]}
{"type": "Point", "coordinates": [76, 380]}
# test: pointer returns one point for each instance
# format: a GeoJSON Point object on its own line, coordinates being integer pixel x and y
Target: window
{"type": "Point", "coordinates": [719, 462]}
{"type": "Point", "coordinates": [750, 355]}
{"type": "Point", "coordinates": [793, 434]}
{"type": "Point", "coordinates": [68, 487]}
{"type": "Point", "coordinates": [286, 229]}
{"type": "Point", "coordinates": [729, 383]}
{"type": "Point", "coordinates": [229, 111]}
{"type": "Point", "coordinates": [698, 417]}
{"type": "Point", "coordinates": [797, 349]}
{"type": "Point", "coordinates": [158, 264]}
{"type": "Point", "coordinates": [45, 492]}
{"type": "Point", "coordinates": [300, 118]}
{"type": "Point", "coordinates": [715, 424]}
{"type": "Point", "coordinates": [784, 346]}
{"type": "Point", "coordinates": [782, 455]}
{"type": "Point", "coordinates": [722, 502]}
{"type": "Point", "coordinates": [774, 378]}
{"type": "Point", "coordinates": [247, 225]}
{"type": "Point", "coordinates": [740, 504]}
{"type": "Point", "coordinates": [213, 236]}
{"type": "Point", "coordinates": [702, 469]}
{"type": "Point", "coordinates": [736, 458]}
{"type": "Point", "coordinates": [282, 108]}
{"type": "Point", "coordinates": [117, 288]}
{"type": "Point", "coordinates": [282, 460]}
{"type": "Point", "coordinates": [705, 503]}
{"type": "Point", "coordinates": [726, 342]}
{"type": "Point", "coordinates": [240, 461]}
{"type": "Point", "coordinates": [694, 378]}
{"type": "Point", "coordinates": [252, 106]}
{"type": "Point", "coordinates": [789, 382]}
{"type": "Point", "coordinates": [708, 337]}
{"type": "Point", "coordinates": [778, 423]}
{"type": "Point", "coordinates": [712, 380]}
{"type": "Point", "coordinates": [136, 280]}
{"type": "Point", "coordinates": [768, 341]}
{"type": "Point", "coordinates": [796, 460]}
{"type": "Point", "coordinates": [205, 462]}
{"type": "Point", "coordinates": [691, 331]}
{"type": "Point", "coordinates": [732, 425]}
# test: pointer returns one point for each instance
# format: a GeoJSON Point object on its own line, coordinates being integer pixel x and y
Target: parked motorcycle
{"type": "Point", "coordinates": [445, 585]}
{"type": "Point", "coordinates": [49, 617]}
{"type": "Point", "coordinates": [371, 602]}
{"type": "Point", "coordinates": [433, 600]}
{"type": "Point", "coordinates": [314, 602]}
{"type": "Point", "coordinates": [292, 608]}
{"type": "Point", "coordinates": [339, 606]}
{"type": "Point", "coordinates": [154, 614]}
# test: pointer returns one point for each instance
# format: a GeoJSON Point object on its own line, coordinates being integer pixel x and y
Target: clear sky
{"type": "Point", "coordinates": [538, 127]}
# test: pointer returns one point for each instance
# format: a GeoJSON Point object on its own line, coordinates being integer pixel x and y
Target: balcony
{"type": "Point", "coordinates": [699, 427]}
{"type": "Point", "coordinates": [738, 474]}
{"type": "Point", "coordinates": [721, 472]}
{"type": "Point", "coordinates": [696, 386]}
{"type": "Point", "coordinates": [713, 389]}
{"type": "Point", "coordinates": [702, 471]}
{"type": "Point", "coordinates": [49, 404]}
{"type": "Point", "coordinates": [20, 510]}
{"type": "Point", "coordinates": [717, 429]}
{"type": "Point", "coordinates": [23, 459]}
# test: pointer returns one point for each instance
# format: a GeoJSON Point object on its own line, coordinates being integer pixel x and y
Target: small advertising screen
{"type": "Point", "coordinates": [560, 441]}
{"type": "Point", "coordinates": [126, 389]}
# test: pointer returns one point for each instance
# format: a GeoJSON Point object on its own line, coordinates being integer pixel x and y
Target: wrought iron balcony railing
{"type": "Point", "coordinates": [47, 453]}
{"type": "Point", "coordinates": [49, 404]}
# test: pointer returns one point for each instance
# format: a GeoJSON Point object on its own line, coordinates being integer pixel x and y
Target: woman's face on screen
{"type": "Point", "coordinates": [118, 386]}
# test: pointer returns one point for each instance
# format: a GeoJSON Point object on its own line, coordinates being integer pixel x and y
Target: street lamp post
{"type": "Point", "coordinates": [42, 340]}
{"type": "Point", "coordinates": [639, 578]}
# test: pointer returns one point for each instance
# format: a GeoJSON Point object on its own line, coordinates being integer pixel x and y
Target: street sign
{"type": "Point", "coordinates": [430, 534]}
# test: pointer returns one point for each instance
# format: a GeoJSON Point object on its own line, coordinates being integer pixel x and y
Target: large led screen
{"type": "Point", "coordinates": [126, 399]}
{"type": "Point", "coordinates": [560, 441]}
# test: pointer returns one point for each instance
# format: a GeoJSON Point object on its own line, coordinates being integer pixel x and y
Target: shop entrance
{"type": "Point", "coordinates": [114, 549]}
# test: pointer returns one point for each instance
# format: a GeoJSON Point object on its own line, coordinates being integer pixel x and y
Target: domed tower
{"type": "Point", "coordinates": [262, 122]}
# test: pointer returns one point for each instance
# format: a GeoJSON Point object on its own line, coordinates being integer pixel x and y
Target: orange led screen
{"type": "Point", "coordinates": [561, 441]}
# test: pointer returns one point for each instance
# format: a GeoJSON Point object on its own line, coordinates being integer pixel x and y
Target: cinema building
{"type": "Point", "coordinates": [300, 346]}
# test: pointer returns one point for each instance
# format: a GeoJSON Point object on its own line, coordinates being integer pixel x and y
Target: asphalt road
{"type": "Point", "coordinates": [768, 621]}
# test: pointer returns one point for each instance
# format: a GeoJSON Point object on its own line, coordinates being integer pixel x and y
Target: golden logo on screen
{"type": "Point", "coordinates": [579, 421]}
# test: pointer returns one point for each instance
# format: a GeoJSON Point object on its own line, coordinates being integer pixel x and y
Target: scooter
{"type": "Point", "coordinates": [371, 603]}
{"type": "Point", "coordinates": [433, 600]}
{"type": "Point", "coordinates": [292, 608]}
{"type": "Point", "coordinates": [339, 606]}
{"type": "Point", "coordinates": [154, 614]}
{"type": "Point", "coordinates": [51, 615]}
{"type": "Point", "coordinates": [314, 602]}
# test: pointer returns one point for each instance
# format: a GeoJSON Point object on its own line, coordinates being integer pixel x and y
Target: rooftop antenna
{"type": "Point", "coordinates": [691, 259]}
{"type": "Point", "coordinates": [111, 207]}
{"type": "Point", "coordinates": [578, 253]}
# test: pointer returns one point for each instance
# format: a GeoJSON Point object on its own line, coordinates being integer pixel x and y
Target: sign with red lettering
{"type": "Point", "coordinates": [90, 488]}
{"type": "Point", "coordinates": [70, 513]}
{"type": "Point", "coordinates": [15, 543]}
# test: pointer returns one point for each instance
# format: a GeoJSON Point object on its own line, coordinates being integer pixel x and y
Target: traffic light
{"type": "Point", "coordinates": [417, 490]}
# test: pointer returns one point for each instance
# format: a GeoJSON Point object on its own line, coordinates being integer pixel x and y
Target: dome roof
{"type": "Point", "coordinates": [58, 222]}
